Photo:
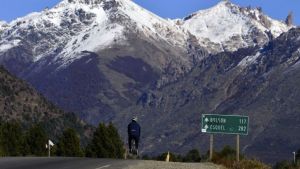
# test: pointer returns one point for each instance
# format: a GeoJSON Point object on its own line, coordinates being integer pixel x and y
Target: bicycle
{"type": "Point", "coordinates": [133, 150]}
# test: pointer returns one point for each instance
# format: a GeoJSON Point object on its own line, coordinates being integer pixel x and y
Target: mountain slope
{"type": "Point", "coordinates": [49, 49]}
{"type": "Point", "coordinates": [228, 27]}
{"type": "Point", "coordinates": [20, 102]}
{"type": "Point", "coordinates": [259, 82]}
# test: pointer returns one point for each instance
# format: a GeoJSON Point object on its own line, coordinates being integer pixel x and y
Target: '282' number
{"type": "Point", "coordinates": [242, 128]}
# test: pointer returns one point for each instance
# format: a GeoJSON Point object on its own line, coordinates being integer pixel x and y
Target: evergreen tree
{"type": "Point", "coordinates": [1, 151]}
{"type": "Point", "coordinates": [298, 157]}
{"type": "Point", "coordinates": [99, 147]}
{"type": "Point", "coordinates": [192, 156]}
{"type": "Point", "coordinates": [11, 139]}
{"type": "Point", "coordinates": [36, 139]}
{"type": "Point", "coordinates": [116, 140]}
{"type": "Point", "coordinates": [106, 143]}
{"type": "Point", "coordinates": [69, 144]}
{"type": "Point", "coordinates": [1, 143]}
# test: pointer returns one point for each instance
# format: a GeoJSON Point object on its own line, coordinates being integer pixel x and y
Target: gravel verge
{"type": "Point", "coordinates": [172, 165]}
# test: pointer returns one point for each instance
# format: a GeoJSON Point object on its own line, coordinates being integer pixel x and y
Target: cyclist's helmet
{"type": "Point", "coordinates": [134, 119]}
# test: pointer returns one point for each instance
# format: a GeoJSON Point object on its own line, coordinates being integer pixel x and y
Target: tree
{"type": "Point", "coordinates": [100, 143]}
{"type": "Point", "coordinates": [106, 143]}
{"type": "Point", "coordinates": [35, 139]}
{"type": "Point", "coordinates": [69, 144]}
{"type": "Point", "coordinates": [11, 137]}
{"type": "Point", "coordinates": [192, 156]}
{"type": "Point", "coordinates": [298, 157]}
{"type": "Point", "coordinates": [116, 140]}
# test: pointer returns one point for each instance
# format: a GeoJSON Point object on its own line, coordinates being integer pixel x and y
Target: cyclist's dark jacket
{"type": "Point", "coordinates": [134, 129]}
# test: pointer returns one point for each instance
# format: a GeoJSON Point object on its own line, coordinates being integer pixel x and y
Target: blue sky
{"type": "Point", "coordinates": [278, 9]}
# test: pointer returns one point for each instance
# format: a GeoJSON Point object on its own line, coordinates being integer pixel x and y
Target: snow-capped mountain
{"type": "Point", "coordinates": [228, 27]}
{"type": "Point", "coordinates": [94, 25]}
{"type": "Point", "coordinates": [106, 35]}
{"type": "Point", "coordinates": [75, 26]}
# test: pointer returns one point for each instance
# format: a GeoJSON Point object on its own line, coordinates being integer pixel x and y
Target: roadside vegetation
{"type": "Point", "coordinates": [227, 158]}
{"type": "Point", "coordinates": [106, 143]}
{"type": "Point", "coordinates": [15, 141]}
{"type": "Point", "coordinates": [289, 164]}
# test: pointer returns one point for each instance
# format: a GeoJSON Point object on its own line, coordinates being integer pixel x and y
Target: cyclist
{"type": "Point", "coordinates": [134, 132]}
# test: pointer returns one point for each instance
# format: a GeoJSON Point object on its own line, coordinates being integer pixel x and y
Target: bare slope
{"type": "Point", "coordinates": [21, 103]}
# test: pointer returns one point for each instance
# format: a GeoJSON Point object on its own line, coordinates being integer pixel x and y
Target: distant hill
{"type": "Point", "coordinates": [19, 102]}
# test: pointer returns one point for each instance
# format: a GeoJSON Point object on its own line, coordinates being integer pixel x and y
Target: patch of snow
{"type": "Point", "coordinates": [218, 24]}
{"type": "Point", "coordinates": [153, 25]}
{"type": "Point", "coordinates": [2, 23]}
{"type": "Point", "coordinates": [226, 24]}
{"type": "Point", "coordinates": [5, 46]}
{"type": "Point", "coordinates": [54, 15]}
{"type": "Point", "coordinates": [3, 26]}
{"type": "Point", "coordinates": [257, 15]}
{"type": "Point", "coordinates": [277, 27]}
{"type": "Point", "coordinates": [249, 60]}
{"type": "Point", "coordinates": [98, 38]}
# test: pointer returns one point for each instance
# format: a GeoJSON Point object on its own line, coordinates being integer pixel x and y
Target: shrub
{"type": "Point", "coordinates": [286, 165]}
{"type": "Point", "coordinates": [192, 156]}
{"type": "Point", "coordinates": [226, 157]}
{"type": "Point", "coordinates": [250, 164]}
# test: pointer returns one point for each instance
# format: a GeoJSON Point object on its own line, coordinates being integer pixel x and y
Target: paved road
{"type": "Point", "coordinates": [63, 163]}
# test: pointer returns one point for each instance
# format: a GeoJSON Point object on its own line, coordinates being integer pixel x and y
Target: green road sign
{"type": "Point", "coordinates": [226, 124]}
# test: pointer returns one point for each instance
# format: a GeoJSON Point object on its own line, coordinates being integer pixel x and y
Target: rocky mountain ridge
{"type": "Point", "coordinates": [258, 82]}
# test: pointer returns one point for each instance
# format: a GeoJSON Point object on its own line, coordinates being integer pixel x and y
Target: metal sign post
{"type": "Point", "coordinates": [294, 160]}
{"type": "Point", "coordinates": [211, 147]}
{"type": "Point", "coordinates": [49, 150]}
{"type": "Point", "coordinates": [237, 148]}
{"type": "Point", "coordinates": [48, 146]}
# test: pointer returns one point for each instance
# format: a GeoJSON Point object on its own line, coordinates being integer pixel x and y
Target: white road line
{"type": "Point", "coordinates": [106, 166]}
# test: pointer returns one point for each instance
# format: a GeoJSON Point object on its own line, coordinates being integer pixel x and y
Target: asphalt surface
{"type": "Point", "coordinates": [63, 163]}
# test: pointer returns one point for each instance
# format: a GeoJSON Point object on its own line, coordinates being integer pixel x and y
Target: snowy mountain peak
{"type": "Point", "coordinates": [224, 3]}
{"type": "Point", "coordinates": [110, 3]}
{"type": "Point", "coordinates": [229, 27]}
{"type": "Point", "coordinates": [2, 22]}
{"type": "Point", "coordinates": [73, 26]}
{"type": "Point", "coordinates": [83, 1]}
